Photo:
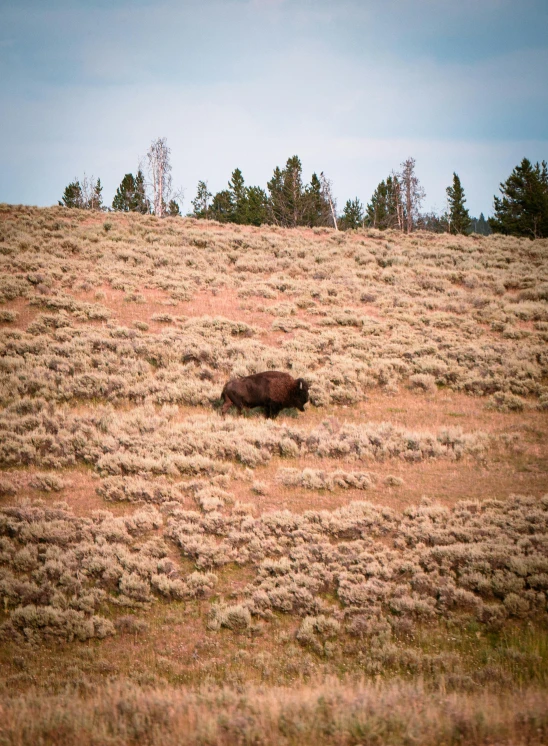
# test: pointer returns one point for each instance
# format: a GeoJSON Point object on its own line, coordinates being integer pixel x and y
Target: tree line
{"type": "Point", "coordinates": [288, 201]}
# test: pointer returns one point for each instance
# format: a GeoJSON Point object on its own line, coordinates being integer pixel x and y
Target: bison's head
{"type": "Point", "coordinates": [302, 393]}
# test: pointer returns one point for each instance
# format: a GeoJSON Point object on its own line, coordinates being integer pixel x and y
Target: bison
{"type": "Point", "coordinates": [273, 390]}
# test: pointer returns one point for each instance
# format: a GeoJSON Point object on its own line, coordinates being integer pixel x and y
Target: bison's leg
{"type": "Point", "coordinates": [234, 400]}
{"type": "Point", "coordinates": [230, 401]}
{"type": "Point", "coordinates": [272, 409]}
{"type": "Point", "coordinates": [226, 406]}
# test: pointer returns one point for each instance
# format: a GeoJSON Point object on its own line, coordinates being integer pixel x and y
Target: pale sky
{"type": "Point", "coordinates": [353, 87]}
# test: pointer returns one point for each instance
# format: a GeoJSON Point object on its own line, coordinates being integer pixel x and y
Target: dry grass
{"type": "Point", "coordinates": [395, 532]}
{"type": "Point", "coordinates": [329, 713]}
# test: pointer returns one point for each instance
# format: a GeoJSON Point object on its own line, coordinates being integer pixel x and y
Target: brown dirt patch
{"type": "Point", "coordinates": [25, 313]}
{"type": "Point", "coordinates": [442, 481]}
{"type": "Point", "coordinates": [226, 304]}
{"type": "Point", "coordinates": [126, 313]}
{"type": "Point", "coordinates": [204, 303]}
{"type": "Point", "coordinates": [79, 493]}
{"type": "Point", "coordinates": [418, 411]}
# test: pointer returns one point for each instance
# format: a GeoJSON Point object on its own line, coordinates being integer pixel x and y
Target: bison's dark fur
{"type": "Point", "coordinates": [273, 390]}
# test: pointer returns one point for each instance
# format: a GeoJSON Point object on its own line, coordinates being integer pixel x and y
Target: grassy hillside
{"type": "Point", "coordinates": [374, 570]}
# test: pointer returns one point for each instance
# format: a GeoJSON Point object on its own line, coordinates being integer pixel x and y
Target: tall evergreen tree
{"type": "Point", "coordinates": [222, 207]}
{"type": "Point", "coordinates": [293, 191]}
{"type": "Point", "coordinates": [353, 216]}
{"type": "Point", "coordinates": [316, 210]}
{"type": "Point", "coordinates": [386, 209]}
{"type": "Point", "coordinates": [377, 209]}
{"type": "Point", "coordinates": [130, 195]}
{"type": "Point", "coordinates": [523, 208]}
{"type": "Point", "coordinates": [201, 201]}
{"type": "Point", "coordinates": [256, 206]}
{"type": "Point", "coordinates": [96, 201]}
{"type": "Point", "coordinates": [141, 203]}
{"type": "Point", "coordinates": [458, 218]}
{"type": "Point", "coordinates": [276, 199]}
{"type": "Point", "coordinates": [287, 199]}
{"type": "Point", "coordinates": [125, 194]}
{"type": "Point", "coordinates": [236, 187]}
{"type": "Point", "coordinates": [72, 196]}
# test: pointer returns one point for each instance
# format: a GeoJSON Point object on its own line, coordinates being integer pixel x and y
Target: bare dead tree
{"type": "Point", "coordinates": [413, 193]}
{"type": "Point", "coordinates": [396, 209]}
{"type": "Point", "coordinates": [159, 169]}
{"type": "Point", "coordinates": [447, 215]}
{"type": "Point", "coordinates": [91, 193]}
{"type": "Point", "coordinates": [178, 195]}
{"type": "Point", "coordinates": [86, 185]}
{"type": "Point", "coordinates": [327, 194]}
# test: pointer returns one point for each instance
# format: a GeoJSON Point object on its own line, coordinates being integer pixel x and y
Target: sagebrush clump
{"type": "Point", "coordinates": [481, 560]}
{"type": "Point", "coordinates": [59, 573]}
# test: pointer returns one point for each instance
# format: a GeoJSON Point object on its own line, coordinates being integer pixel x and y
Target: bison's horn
{"type": "Point", "coordinates": [300, 384]}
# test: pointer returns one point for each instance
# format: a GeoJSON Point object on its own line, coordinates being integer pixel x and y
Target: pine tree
{"type": "Point", "coordinates": [353, 216]}
{"type": "Point", "coordinates": [377, 209]}
{"type": "Point", "coordinates": [458, 218]}
{"type": "Point", "coordinates": [293, 192]}
{"type": "Point", "coordinates": [125, 194]}
{"type": "Point", "coordinates": [96, 201]}
{"type": "Point", "coordinates": [276, 200]}
{"type": "Point", "coordinates": [316, 211]}
{"type": "Point", "coordinates": [130, 195]}
{"type": "Point", "coordinates": [201, 201]}
{"type": "Point", "coordinates": [141, 203]}
{"type": "Point", "coordinates": [256, 206]}
{"type": "Point", "coordinates": [72, 196]}
{"type": "Point", "coordinates": [287, 200]}
{"type": "Point", "coordinates": [173, 209]}
{"type": "Point", "coordinates": [236, 187]}
{"type": "Point", "coordinates": [523, 208]}
{"type": "Point", "coordinates": [222, 207]}
{"type": "Point", "coordinates": [386, 209]}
